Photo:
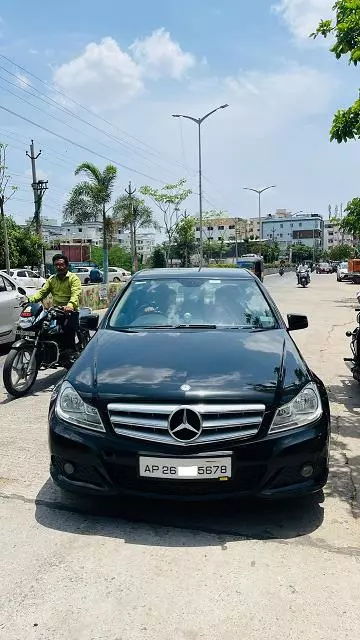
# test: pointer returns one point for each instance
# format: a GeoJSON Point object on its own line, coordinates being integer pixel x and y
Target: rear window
{"type": "Point", "coordinates": [186, 302]}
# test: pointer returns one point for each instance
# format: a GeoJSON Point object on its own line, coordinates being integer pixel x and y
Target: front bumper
{"type": "Point", "coordinates": [107, 465]}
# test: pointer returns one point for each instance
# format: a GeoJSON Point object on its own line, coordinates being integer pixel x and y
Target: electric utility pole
{"type": "Point", "coordinates": [130, 192]}
{"type": "Point", "coordinates": [39, 187]}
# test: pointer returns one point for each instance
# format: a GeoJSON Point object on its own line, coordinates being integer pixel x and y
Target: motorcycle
{"type": "Point", "coordinates": [354, 363]}
{"type": "Point", "coordinates": [281, 271]}
{"type": "Point", "coordinates": [303, 278]}
{"type": "Point", "coordinates": [38, 345]}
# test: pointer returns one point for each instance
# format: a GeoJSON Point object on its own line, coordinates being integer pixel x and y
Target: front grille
{"type": "Point", "coordinates": [220, 422]}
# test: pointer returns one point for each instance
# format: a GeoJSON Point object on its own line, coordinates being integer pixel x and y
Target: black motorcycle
{"type": "Point", "coordinates": [354, 362]}
{"type": "Point", "coordinates": [39, 345]}
{"type": "Point", "coordinates": [303, 278]}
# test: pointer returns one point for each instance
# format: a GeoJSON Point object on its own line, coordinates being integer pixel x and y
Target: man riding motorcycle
{"type": "Point", "coordinates": [65, 288]}
{"type": "Point", "coordinates": [303, 268]}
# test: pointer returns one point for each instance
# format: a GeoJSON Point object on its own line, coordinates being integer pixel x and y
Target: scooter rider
{"type": "Point", "coordinates": [65, 288]}
{"type": "Point", "coordinates": [303, 268]}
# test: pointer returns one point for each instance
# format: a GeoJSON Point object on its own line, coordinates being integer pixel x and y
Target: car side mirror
{"type": "Point", "coordinates": [22, 291]}
{"type": "Point", "coordinates": [90, 322]}
{"type": "Point", "coordinates": [297, 321]}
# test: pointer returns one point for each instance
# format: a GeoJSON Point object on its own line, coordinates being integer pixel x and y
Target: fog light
{"type": "Point", "coordinates": [69, 468]}
{"type": "Point", "coordinates": [307, 470]}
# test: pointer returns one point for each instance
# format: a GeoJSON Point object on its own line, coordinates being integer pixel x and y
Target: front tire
{"type": "Point", "coordinates": [17, 381]}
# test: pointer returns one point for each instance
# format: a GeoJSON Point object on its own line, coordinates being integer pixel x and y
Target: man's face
{"type": "Point", "coordinates": [61, 268]}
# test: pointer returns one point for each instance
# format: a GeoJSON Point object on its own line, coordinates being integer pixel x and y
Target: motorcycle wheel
{"type": "Point", "coordinates": [17, 382]}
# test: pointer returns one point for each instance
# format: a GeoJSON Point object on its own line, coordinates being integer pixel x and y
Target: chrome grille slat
{"type": "Point", "coordinates": [201, 408]}
{"type": "Point", "coordinates": [137, 421]}
{"type": "Point", "coordinates": [166, 438]}
{"type": "Point", "coordinates": [220, 422]}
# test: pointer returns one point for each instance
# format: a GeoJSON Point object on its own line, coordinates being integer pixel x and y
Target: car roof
{"type": "Point", "coordinates": [205, 272]}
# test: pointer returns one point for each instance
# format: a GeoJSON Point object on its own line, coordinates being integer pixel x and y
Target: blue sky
{"type": "Point", "coordinates": [131, 65]}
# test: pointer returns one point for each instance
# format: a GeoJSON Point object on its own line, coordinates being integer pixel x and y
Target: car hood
{"type": "Point", "coordinates": [190, 365]}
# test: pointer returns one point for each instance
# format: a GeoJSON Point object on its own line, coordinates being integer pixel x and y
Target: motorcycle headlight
{"type": "Point", "coordinates": [71, 408]}
{"type": "Point", "coordinates": [303, 410]}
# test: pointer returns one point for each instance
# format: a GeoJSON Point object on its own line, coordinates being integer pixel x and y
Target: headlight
{"type": "Point", "coordinates": [72, 408]}
{"type": "Point", "coordinates": [305, 408]}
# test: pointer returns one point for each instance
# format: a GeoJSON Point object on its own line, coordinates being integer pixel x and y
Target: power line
{"type": "Point", "coordinates": [80, 146]}
{"type": "Point", "coordinates": [154, 151]}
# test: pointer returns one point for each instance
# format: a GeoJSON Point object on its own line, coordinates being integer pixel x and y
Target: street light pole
{"type": "Point", "coordinates": [259, 192]}
{"type": "Point", "coordinates": [199, 122]}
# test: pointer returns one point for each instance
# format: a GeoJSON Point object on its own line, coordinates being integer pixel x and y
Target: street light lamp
{"type": "Point", "coordinates": [199, 122]}
{"type": "Point", "coordinates": [259, 192]}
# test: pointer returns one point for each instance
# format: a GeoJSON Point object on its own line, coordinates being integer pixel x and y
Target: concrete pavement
{"type": "Point", "coordinates": [132, 570]}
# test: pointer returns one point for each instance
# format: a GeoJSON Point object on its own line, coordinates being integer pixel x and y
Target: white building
{"type": "Point", "coordinates": [222, 229]}
{"type": "Point", "coordinates": [289, 229]}
{"type": "Point", "coordinates": [89, 233]}
{"type": "Point", "coordinates": [333, 236]}
{"type": "Point", "coordinates": [145, 242]}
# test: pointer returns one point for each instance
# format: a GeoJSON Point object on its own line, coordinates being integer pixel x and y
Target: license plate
{"type": "Point", "coordinates": [185, 468]}
{"type": "Point", "coordinates": [22, 333]}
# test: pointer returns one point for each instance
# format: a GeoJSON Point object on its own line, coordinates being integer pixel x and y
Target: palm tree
{"type": "Point", "coordinates": [97, 190]}
{"type": "Point", "coordinates": [133, 214]}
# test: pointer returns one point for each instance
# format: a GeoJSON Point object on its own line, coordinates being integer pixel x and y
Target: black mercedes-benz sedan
{"type": "Point", "coordinates": [192, 388]}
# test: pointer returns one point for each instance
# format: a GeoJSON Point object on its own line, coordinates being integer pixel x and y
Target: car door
{"type": "Point", "coordinates": [35, 279]}
{"type": "Point", "coordinates": [22, 278]}
{"type": "Point", "coordinates": [10, 300]}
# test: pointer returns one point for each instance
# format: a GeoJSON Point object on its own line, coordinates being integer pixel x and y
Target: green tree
{"type": "Point", "coordinates": [118, 257]}
{"type": "Point", "coordinates": [133, 214]}
{"type": "Point", "coordinates": [184, 243]}
{"type": "Point", "coordinates": [341, 252]}
{"type": "Point", "coordinates": [6, 192]}
{"type": "Point", "coordinates": [25, 248]}
{"type": "Point", "coordinates": [80, 207]}
{"type": "Point", "coordinates": [301, 252]}
{"type": "Point", "coordinates": [169, 200]}
{"type": "Point", "coordinates": [158, 260]}
{"type": "Point", "coordinates": [344, 27]}
{"type": "Point", "coordinates": [97, 191]}
{"type": "Point", "coordinates": [351, 221]}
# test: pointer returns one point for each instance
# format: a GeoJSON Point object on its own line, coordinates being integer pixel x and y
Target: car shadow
{"type": "Point", "coordinates": [170, 524]}
{"type": "Point", "coordinates": [41, 386]}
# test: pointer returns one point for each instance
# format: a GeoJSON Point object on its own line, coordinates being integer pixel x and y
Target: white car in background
{"type": "Point", "coordinates": [117, 274]}
{"type": "Point", "coordinates": [27, 279]}
{"type": "Point", "coordinates": [11, 297]}
{"type": "Point", "coordinates": [342, 272]}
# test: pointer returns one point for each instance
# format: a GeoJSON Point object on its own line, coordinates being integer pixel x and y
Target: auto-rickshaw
{"type": "Point", "coordinates": [253, 263]}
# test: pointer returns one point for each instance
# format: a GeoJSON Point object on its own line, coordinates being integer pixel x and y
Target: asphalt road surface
{"type": "Point", "coordinates": [70, 569]}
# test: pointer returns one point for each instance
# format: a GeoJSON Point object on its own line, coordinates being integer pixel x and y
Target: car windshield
{"type": "Point", "coordinates": [183, 302]}
{"type": "Point", "coordinates": [344, 265]}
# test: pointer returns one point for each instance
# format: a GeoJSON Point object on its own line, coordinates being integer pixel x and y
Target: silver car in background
{"type": "Point", "coordinates": [11, 297]}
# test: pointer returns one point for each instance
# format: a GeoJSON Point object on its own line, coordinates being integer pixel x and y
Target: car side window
{"type": "Point", "coordinates": [6, 285]}
{"type": "Point", "coordinates": [22, 274]}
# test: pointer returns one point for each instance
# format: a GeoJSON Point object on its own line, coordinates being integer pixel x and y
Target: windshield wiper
{"type": "Point", "coordinates": [195, 326]}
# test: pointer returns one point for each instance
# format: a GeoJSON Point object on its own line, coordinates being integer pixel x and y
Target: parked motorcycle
{"type": "Point", "coordinates": [38, 345]}
{"type": "Point", "coordinates": [354, 363]}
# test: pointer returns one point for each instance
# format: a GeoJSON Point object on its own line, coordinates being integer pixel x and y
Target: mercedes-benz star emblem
{"type": "Point", "coordinates": [185, 425]}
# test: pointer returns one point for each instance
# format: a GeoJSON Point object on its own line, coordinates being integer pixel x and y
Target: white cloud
{"type": "Point", "coordinates": [22, 80]}
{"type": "Point", "coordinates": [271, 99]}
{"type": "Point", "coordinates": [106, 77]}
{"type": "Point", "coordinates": [159, 56]}
{"type": "Point", "coordinates": [303, 16]}
{"type": "Point", "coordinates": [103, 76]}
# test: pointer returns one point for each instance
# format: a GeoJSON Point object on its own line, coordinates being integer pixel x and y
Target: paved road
{"type": "Point", "coordinates": [222, 571]}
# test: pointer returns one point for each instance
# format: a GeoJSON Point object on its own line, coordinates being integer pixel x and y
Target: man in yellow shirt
{"type": "Point", "coordinates": [65, 288]}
